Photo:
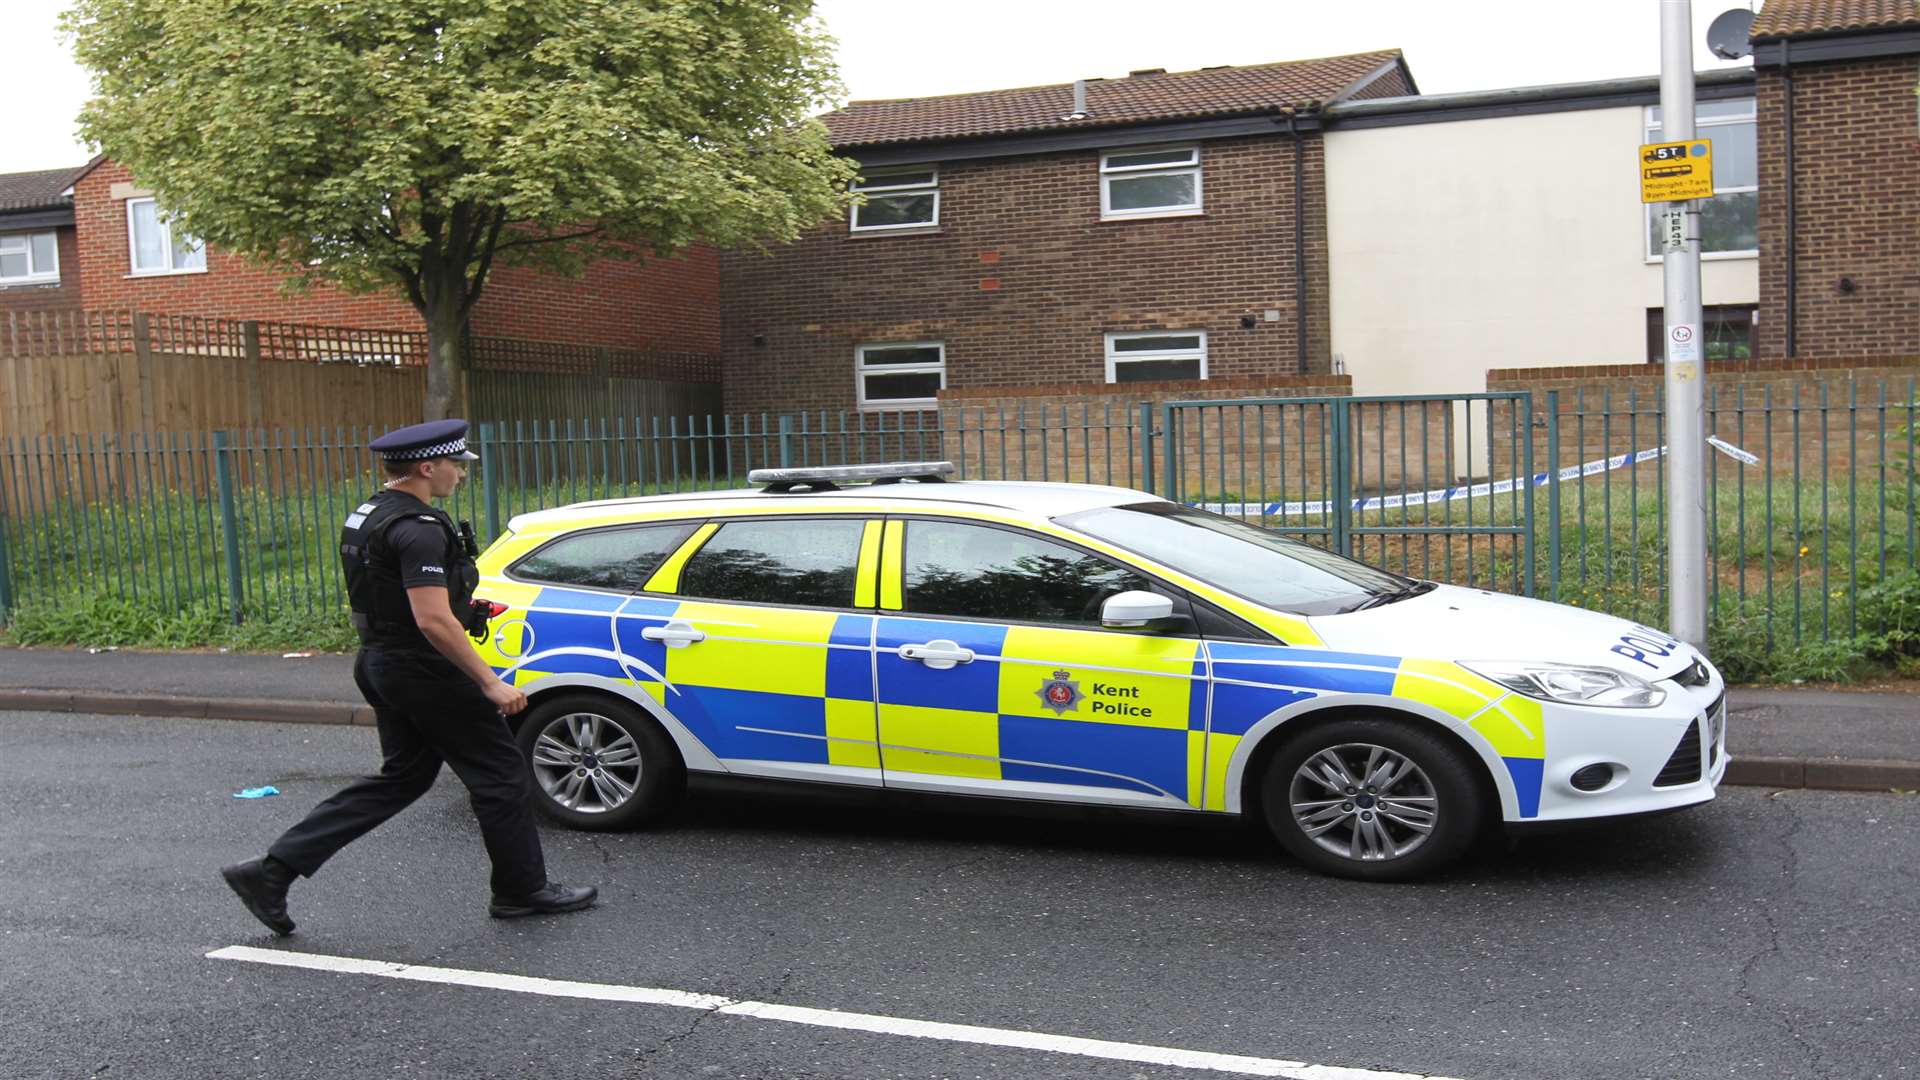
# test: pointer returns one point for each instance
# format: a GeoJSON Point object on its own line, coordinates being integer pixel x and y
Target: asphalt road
{"type": "Point", "coordinates": [1766, 935]}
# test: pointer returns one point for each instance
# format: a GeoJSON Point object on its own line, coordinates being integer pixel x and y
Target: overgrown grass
{"type": "Point", "coordinates": [1800, 590]}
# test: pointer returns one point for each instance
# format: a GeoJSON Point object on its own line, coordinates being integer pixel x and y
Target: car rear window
{"type": "Point", "coordinates": [810, 561]}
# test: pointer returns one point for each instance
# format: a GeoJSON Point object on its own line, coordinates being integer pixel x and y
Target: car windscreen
{"type": "Point", "coordinates": [1243, 559]}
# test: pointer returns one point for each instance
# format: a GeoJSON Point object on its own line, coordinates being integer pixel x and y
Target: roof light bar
{"type": "Point", "coordinates": [830, 477]}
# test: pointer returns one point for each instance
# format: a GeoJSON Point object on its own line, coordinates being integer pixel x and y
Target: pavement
{"type": "Point", "coordinates": [1768, 934]}
{"type": "Point", "coordinates": [1840, 740]}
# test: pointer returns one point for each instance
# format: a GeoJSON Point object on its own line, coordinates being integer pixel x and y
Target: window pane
{"type": "Point", "coordinates": [1730, 222]}
{"type": "Point", "coordinates": [43, 254]}
{"type": "Point", "coordinates": [777, 562]}
{"type": "Point", "coordinates": [1147, 192]}
{"type": "Point", "coordinates": [895, 179]}
{"type": "Point", "coordinates": [1262, 566]}
{"type": "Point", "coordinates": [609, 559]}
{"type": "Point", "coordinates": [1156, 343]}
{"type": "Point", "coordinates": [1150, 157]}
{"type": "Point", "coordinates": [189, 254]}
{"type": "Point", "coordinates": [15, 242]}
{"type": "Point", "coordinates": [882, 210]}
{"type": "Point", "coordinates": [906, 354]}
{"type": "Point", "coordinates": [149, 251]}
{"type": "Point", "coordinates": [13, 264]}
{"type": "Point", "coordinates": [1736, 155]}
{"type": "Point", "coordinates": [978, 572]}
{"type": "Point", "coordinates": [902, 386]}
{"type": "Point", "coordinates": [1156, 370]}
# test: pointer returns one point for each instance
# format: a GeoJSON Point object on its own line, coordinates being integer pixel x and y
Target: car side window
{"type": "Point", "coordinates": [976, 571]}
{"type": "Point", "coordinates": [604, 558]}
{"type": "Point", "coordinates": [805, 561]}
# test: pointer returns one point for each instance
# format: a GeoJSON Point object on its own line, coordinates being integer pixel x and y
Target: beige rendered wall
{"type": "Point", "coordinates": [1500, 243]}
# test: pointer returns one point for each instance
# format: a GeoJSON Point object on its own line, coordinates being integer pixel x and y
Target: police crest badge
{"type": "Point", "coordinates": [1060, 693]}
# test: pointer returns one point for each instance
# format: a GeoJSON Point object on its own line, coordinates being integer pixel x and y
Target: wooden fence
{"type": "Point", "coordinates": [67, 374]}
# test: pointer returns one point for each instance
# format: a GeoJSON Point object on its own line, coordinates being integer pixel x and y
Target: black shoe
{"type": "Point", "coordinates": [551, 899]}
{"type": "Point", "coordinates": [262, 885]}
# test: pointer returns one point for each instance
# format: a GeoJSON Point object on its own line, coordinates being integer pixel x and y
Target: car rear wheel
{"type": "Point", "coordinates": [599, 764]}
{"type": "Point", "coordinates": [1372, 799]}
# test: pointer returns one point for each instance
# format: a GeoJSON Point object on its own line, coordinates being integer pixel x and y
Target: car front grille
{"type": "Point", "coordinates": [1684, 766]}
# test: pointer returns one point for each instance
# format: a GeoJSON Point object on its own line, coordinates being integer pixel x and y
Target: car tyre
{"type": "Point", "coordinates": [1371, 798]}
{"type": "Point", "coordinates": [600, 764]}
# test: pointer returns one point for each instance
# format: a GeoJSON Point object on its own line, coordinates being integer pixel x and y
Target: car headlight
{"type": "Point", "coordinates": [1570, 683]}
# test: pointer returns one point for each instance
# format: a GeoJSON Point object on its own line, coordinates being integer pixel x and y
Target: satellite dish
{"type": "Point", "coordinates": [1727, 37]}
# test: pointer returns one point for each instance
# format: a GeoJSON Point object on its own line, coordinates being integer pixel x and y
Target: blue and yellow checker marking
{"type": "Point", "coordinates": [790, 685]}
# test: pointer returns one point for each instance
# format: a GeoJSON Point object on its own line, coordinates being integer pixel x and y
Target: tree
{"type": "Point", "coordinates": [415, 143]}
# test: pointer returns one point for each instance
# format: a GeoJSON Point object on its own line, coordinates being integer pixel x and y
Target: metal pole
{"type": "Point", "coordinates": [1685, 368]}
{"type": "Point", "coordinates": [229, 525]}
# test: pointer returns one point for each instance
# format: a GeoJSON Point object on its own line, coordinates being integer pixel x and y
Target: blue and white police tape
{"type": "Point", "coordinates": [1470, 491]}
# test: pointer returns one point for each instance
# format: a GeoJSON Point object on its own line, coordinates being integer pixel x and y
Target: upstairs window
{"type": "Point", "coordinates": [1730, 221]}
{"type": "Point", "coordinates": [1156, 356]}
{"type": "Point", "coordinates": [1149, 183]}
{"type": "Point", "coordinates": [156, 247]}
{"type": "Point", "coordinates": [908, 376]}
{"type": "Point", "coordinates": [26, 258]}
{"type": "Point", "coordinates": [901, 198]}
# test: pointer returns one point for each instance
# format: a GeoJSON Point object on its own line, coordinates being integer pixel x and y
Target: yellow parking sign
{"type": "Point", "coordinates": [1676, 171]}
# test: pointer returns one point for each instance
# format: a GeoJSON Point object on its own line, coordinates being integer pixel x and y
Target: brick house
{"type": "Point", "coordinates": [116, 251]}
{"type": "Point", "coordinates": [39, 252]}
{"type": "Point", "coordinates": [1839, 134]}
{"type": "Point", "coordinates": [1162, 228]}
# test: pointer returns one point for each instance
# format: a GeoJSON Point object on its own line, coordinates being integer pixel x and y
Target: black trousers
{"type": "Point", "coordinates": [428, 711]}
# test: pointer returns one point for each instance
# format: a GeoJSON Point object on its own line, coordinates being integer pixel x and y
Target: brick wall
{"type": "Point", "coordinates": [1022, 280]}
{"type": "Point", "coordinates": [61, 296]}
{"type": "Point", "coordinates": [663, 304]}
{"type": "Point", "coordinates": [1774, 408]}
{"type": "Point", "coordinates": [1857, 174]}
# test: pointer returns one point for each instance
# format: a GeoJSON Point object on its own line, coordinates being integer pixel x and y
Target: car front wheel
{"type": "Point", "coordinates": [1372, 799]}
{"type": "Point", "coordinates": [599, 764]}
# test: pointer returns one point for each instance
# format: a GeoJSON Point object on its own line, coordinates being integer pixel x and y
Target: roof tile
{"type": "Point", "coordinates": [36, 190]}
{"type": "Point", "coordinates": [1218, 91]}
{"type": "Point", "coordinates": [1793, 18]}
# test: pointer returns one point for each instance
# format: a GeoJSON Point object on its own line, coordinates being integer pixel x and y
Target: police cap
{"type": "Point", "coordinates": [419, 442]}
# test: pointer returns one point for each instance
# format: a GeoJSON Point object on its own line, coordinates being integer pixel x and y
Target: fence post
{"type": "Point", "coordinates": [490, 480]}
{"type": "Point", "coordinates": [1146, 446]}
{"type": "Point", "coordinates": [143, 365]}
{"type": "Point", "coordinates": [1532, 581]}
{"type": "Point", "coordinates": [250, 342]}
{"type": "Point", "coordinates": [1553, 495]}
{"type": "Point", "coordinates": [6, 560]}
{"type": "Point", "coordinates": [229, 522]}
{"type": "Point", "coordinates": [1341, 468]}
{"type": "Point", "coordinates": [1170, 432]}
{"type": "Point", "coordinates": [786, 441]}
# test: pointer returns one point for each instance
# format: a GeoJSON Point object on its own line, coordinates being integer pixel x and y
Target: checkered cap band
{"type": "Point", "coordinates": [450, 448]}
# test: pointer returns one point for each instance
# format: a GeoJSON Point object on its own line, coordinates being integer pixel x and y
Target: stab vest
{"type": "Point", "coordinates": [382, 613]}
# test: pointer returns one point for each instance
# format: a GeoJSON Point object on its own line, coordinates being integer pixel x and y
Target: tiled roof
{"type": "Point", "coordinates": [1145, 97]}
{"type": "Point", "coordinates": [36, 190]}
{"type": "Point", "coordinates": [1793, 18]}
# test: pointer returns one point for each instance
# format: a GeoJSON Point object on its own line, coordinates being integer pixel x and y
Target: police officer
{"type": "Point", "coordinates": [410, 581]}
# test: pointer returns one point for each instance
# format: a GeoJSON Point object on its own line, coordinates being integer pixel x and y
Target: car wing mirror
{"type": "Point", "coordinates": [1135, 608]}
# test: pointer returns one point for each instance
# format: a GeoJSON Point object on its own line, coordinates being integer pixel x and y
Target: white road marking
{"type": "Point", "coordinates": [827, 1018]}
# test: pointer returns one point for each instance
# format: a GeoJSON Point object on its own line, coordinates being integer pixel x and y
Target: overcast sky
{"type": "Point", "coordinates": [890, 48]}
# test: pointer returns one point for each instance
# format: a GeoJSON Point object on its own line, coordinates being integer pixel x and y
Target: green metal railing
{"type": "Point", "coordinates": [1481, 489]}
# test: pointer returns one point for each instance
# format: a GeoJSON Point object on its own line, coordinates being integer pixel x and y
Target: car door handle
{"type": "Point", "coordinates": [677, 634]}
{"type": "Point", "coordinates": [938, 655]}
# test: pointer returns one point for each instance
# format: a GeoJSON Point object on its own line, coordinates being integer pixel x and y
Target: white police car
{"type": "Point", "coordinates": [1072, 643]}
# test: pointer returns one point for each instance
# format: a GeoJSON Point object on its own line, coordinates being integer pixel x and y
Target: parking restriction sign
{"type": "Point", "coordinates": [1676, 171]}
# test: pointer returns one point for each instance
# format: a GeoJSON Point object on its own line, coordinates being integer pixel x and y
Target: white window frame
{"type": "Point", "coordinates": [1110, 172]}
{"type": "Point", "coordinates": [166, 246]}
{"type": "Point", "coordinates": [874, 183]}
{"type": "Point", "coordinates": [35, 275]}
{"type": "Point", "coordinates": [1702, 127]}
{"type": "Point", "coordinates": [1115, 359]}
{"type": "Point", "coordinates": [861, 370]}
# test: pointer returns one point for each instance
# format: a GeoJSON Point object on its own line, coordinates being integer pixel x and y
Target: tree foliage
{"type": "Point", "coordinates": [411, 143]}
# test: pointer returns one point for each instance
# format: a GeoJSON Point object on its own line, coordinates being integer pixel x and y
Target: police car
{"type": "Point", "coordinates": [888, 627]}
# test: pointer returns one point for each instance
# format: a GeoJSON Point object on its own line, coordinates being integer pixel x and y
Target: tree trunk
{"type": "Point", "coordinates": [446, 370]}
